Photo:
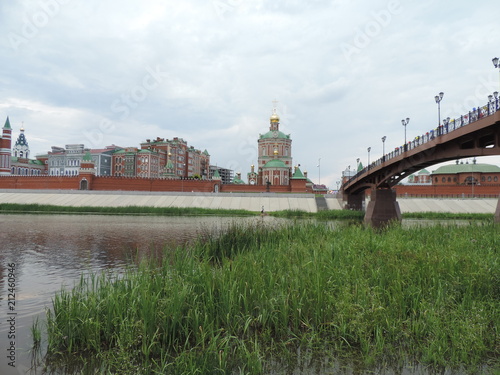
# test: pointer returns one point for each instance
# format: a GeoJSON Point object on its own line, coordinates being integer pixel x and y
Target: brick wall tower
{"type": "Point", "coordinates": [5, 149]}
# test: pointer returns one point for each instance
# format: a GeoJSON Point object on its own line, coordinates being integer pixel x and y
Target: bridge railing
{"type": "Point", "coordinates": [447, 127]}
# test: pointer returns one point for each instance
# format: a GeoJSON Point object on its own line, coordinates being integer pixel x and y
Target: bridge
{"type": "Point", "coordinates": [476, 133]}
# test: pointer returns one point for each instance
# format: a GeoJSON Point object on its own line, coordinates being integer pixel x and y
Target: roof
{"type": "Point", "coordinates": [87, 157]}
{"type": "Point", "coordinates": [238, 181]}
{"type": "Point", "coordinates": [270, 134]}
{"type": "Point", "coordinates": [275, 163]}
{"type": "Point", "coordinates": [467, 168]}
{"type": "Point", "coordinates": [423, 172]}
{"type": "Point", "coordinates": [7, 124]}
{"type": "Point", "coordinates": [297, 174]}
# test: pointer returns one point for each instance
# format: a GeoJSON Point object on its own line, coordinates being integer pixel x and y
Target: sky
{"type": "Point", "coordinates": [344, 73]}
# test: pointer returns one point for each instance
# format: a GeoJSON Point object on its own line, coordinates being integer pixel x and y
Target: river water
{"type": "Point", "coordinates": [39, 254]}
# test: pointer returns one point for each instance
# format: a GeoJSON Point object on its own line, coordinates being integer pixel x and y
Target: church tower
{"type": "Point", "coordinates": [275, 154]}
{"type": "Point", "coordinates": [5, 146]}
{"type": "Point", "coordinates": [21, 149]}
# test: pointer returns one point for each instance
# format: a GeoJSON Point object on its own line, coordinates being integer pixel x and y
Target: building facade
{"type": "Point", "coordinates": [183, 160]}
{"type": "Point", "coordinates": [466, 174]}
{"type": "Point", "coordinates": [67, 161]}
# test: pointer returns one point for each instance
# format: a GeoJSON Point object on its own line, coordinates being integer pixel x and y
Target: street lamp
{"type": "Point", "coordinates": [383, 148]}
{"type": "Point", "coordinates": [438, 99]}
{"type": "Point", "coordinates": [319, 171]}
{"type": "Point", "coordinates": [368, 165]}
{"type": "Point", "coordinates": [405, 122]}
{"type": "Point", "coordinates": [496, 64]}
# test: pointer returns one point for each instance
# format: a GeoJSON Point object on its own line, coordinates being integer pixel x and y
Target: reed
{"type": "Point", "coordinates": [231, 303]}
{"type": "Point", "coordinates": [126, 210]}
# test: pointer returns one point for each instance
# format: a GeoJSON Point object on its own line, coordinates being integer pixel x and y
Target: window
{"type": "Point", "coordinates": [443, 179]}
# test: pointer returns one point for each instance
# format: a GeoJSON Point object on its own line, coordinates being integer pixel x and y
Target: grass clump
{"type": "Point", "coordinates": [447, 216]}
{"type": "Point", "coordinates": [125, 210]}
{"type": "Point", "coordinates": [230, 303]}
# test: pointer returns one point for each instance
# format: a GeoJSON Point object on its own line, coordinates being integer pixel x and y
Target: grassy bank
{"type": "Point", "coordinates": [252, 297]}
{"type": "Point", "coordinates": [359, 215]}
{"type": "Point", "coordinates": [8, 208]}
{"type": "Point", "coordinates": [126, 210]}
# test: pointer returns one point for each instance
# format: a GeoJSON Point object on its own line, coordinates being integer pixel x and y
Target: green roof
{"type": "Point", "coordinates": [270, 134]}
{"type": "Point", "coordinates": [360, 167]}
{"type": "Point", "coordinates": [7, 123]}
{"type": "Point", "coordinates": [275, 163]}
{"type": "Point", "coordinates": [423, 171]}
{"type": "Point", "coordinates": [238, 181]}
{"type": "Point", "coordinates": [467, 168]}
{"type": "Point", "coordinates": [298, 174]}
{"type": "Point", "coordinates": [87, 157]}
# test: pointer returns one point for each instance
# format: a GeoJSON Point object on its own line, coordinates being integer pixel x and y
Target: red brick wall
{"type": "Point", "coordinates": [105, 183]}
{"type": "Point", "coordinates": [447, 190]}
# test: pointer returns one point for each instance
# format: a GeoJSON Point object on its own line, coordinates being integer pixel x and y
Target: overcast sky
{"type": "Point", "coordinates": [344, 73]}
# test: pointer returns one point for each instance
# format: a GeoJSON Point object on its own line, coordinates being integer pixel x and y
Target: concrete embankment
{"type": "Point", "coordinates": [244, 201]}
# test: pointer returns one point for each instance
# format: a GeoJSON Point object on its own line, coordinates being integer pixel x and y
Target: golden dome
{"type": "Point", "coordinates": [275, 117]}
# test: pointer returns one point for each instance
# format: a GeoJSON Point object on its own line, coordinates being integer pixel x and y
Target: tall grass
{"type": "Point", "coordinates": [231, 303]}
{"type": "Point", "coordinates": [135, 210]}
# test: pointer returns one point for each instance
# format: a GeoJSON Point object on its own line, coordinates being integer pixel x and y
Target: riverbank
{"type": "Point", "coordinates": [229, 201]}
{"type": "Point", "coordinates": [260, 300]}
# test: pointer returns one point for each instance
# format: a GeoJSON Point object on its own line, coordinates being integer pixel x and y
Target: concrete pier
{"type": "Point", "coordinates": [382, 208]}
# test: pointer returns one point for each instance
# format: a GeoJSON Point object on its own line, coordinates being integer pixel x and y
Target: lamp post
{"type": "Point", "coordinates": [319, 171]}
{"type": "Point", "coordinates": [438, 99]}
{"type": "Point", "coordinates": [368, 165]}
{"type": "Point", "coordinates": [383, 148]}
{"type": "Point", "coordinates": [405, 122]}
{"type": "Point", "coordinates": [496, 64]}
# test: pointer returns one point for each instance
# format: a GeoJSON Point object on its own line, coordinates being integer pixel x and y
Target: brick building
{"type": "Point", "coordinates": [466, 174]}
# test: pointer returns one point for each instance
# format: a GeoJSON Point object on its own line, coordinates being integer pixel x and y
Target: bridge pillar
{"type": "Point", "coordinates": [382, 208]}
{"type": "Point", "coordinates": [355, 201]}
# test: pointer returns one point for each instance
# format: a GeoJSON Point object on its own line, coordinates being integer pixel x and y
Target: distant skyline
{"type": "Point", "coordinates": [344, 73]}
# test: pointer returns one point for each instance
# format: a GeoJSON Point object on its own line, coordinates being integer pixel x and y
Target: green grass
{"type": "Point", "coordinates": [230, 303]}
{"type": "Point", "coordinates": [323, 215]}
{"type": "Point", "coordinates": [447, 216]}
{"type": "Point", "coordinates": [126, 210]}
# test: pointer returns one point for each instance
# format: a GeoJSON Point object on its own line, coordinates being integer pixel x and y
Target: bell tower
{"type": "Point", "coordinates": [5, 149]}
